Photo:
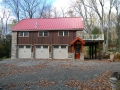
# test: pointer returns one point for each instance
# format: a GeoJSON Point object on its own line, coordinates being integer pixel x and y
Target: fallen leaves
{"type": "Point", "coordinates": [15, 69]}
{"type": "Point", "coordinates": [45, 83]}
{"type": "Point", "coordinates": [41, 83]}
{"type": "Point", "coordinates": [99, 83]}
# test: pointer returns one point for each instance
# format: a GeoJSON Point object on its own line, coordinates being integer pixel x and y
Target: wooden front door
{"type": "Point", "coordinates": [77, 51]}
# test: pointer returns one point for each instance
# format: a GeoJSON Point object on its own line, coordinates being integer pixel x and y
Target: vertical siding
{"type": "Point", "coordinates": [53, 38]}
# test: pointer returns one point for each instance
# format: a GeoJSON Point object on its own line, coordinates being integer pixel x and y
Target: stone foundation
{"type": "Point", "coordinates": [73, 56]}
{"type": "Point", "coordinates": [50, 55]}
{"type": "Point", "coordinates": [14, 46]}
{"type": "Point", "coordinates": [82, 56]}
{"type": "Point", "coordinates": [69, 55]}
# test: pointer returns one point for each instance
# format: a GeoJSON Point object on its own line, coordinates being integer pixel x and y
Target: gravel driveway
{"type": "Point", "coordinates": [28, 74]}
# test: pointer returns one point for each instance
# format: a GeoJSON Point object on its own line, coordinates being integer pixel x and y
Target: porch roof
{"type": "Point", "coordinates": [78, 39]}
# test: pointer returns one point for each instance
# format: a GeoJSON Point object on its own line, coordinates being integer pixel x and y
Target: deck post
{"type": "Point", "coordinates": [95, 52]}
{"type": "Point", "coordinates": [92, 52]}
{"type": "Point", "coordinates": [99, 51]}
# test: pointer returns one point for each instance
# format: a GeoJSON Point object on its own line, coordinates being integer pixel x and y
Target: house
{"type": "Point", "coordinates": [44, 38]}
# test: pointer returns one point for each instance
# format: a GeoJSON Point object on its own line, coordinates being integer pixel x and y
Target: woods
{"type": "Point", "coordinates": [102, 14]}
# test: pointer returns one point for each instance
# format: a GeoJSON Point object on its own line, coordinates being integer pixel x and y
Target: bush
{"type": "Point", "coordinates": [4, 57]}
{"type": "Point", "coordinates": [117, 56]}
{"type": "Point", "coordinates": [106, 56]}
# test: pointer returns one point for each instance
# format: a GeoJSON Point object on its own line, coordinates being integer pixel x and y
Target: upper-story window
{"type": "Point", "coordinates": [23, 34]}
{"type": "Point", "coordinates": [43, 33]}
{"type": "Point", "coordinates": [63, 33]}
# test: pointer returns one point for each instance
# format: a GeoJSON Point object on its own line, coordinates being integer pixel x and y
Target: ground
{"type": "Point", "coordinates": [29, 74]}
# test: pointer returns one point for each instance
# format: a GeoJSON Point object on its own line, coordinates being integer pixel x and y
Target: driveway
{"type": "Point", "coordinates": [29, 74]}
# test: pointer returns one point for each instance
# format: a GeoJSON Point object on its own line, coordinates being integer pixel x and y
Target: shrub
{"type": "Point", "coordinates": [4, 57]}
{"type": "Point", "coordinates": [117, 56]}
{"type": "Point", "coordinates": [106, 56]}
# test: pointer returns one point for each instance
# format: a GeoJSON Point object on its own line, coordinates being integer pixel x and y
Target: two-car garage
{"type": "Point", "coordinates": [43, 51]}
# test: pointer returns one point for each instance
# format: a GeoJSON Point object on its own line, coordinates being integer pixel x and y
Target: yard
{"type": "Point", "coordinates": [29, 74]}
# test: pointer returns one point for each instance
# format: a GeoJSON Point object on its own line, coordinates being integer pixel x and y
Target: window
{"type": "Point", "coordinates": [56, 46]}
{"type": "Point", "coordinates": [23, 34]}
{"type": "Point", "coordinates": [27, 46]}
{"type": "Point", "coordinates": [21, 47]}
{"type": "Point", "coordinates": [45, 47]}
{"type": "Point", "coordinates": [43, 33]}
{"type": "Point", "coordinates": [63, 47]}
{"type": "Point", "coordinates": [38, 46]}
{"type": "Point", "coordinates": [63, 33]}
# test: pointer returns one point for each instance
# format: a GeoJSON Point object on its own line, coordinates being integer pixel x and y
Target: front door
{"type": "Point", "coordinates": [77, 51]}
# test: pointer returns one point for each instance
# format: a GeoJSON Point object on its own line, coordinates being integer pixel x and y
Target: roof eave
{"type": "Point", "coordinates": [79, 29]}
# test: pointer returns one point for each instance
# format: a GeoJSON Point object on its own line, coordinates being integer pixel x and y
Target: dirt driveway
{"type": "Point", "coordinates": [28, 74]}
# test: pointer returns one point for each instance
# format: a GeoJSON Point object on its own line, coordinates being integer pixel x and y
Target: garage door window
{"type": "Point", "coordinates": [21, 46]}
{"type": "Point", "coordinates": [27, 46]}
{"type": "Point", "coordinates": [38, 46]}
{"type": "Point", "coordinates": [56, 46]}
{"type": "Point", "coordinates": [63, 47]}
{"type": "Point", "coordinates": [45, 47]}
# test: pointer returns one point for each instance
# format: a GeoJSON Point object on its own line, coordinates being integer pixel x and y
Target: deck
{"type": "Point", "coordinates": [94, 42]}
{"type": "Point", "coordinates": [92, 37]}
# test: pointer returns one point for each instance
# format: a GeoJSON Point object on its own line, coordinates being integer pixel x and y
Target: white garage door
{"type": "Point", "coordinates": [24, 51]}
{"type": "Point", "coordinates": [42, 51]}
{"type": "Point", "coordinates": [60, 52]}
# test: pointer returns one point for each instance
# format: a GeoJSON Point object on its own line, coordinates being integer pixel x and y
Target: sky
{"type": "Point", "coordinates": [12, 17]}
{"type": "Point", "coordinates": [56, 3]}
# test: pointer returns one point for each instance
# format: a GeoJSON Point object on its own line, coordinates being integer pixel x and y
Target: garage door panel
{"type": "Point", "coordinates": [24, 51]}
{"type": "Point", "coordinates": [60, 52]}
{"type": "Point", "coordinates": [42, 51]}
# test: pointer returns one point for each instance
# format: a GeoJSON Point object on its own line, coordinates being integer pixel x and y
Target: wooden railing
{"type": "Point", "coordinates": [92, 36]}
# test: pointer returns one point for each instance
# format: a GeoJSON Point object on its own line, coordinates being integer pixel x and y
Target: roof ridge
{"type": "Point", "coordinates": [50, 18]}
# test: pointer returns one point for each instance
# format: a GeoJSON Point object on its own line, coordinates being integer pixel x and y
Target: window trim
{"type": "Point", "coordinates": [43, 34]}
{"type": "Point", "coordinates": [63, 33]}
{"type": "Point", "coordinates": [23, 35]}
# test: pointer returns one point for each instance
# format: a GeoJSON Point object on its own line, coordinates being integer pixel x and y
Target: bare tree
{"type": "Point", "coordinates": [7, 16]}
{"type": "Point", "coordinates": [29, 7]}
{"type": "Point", "coordinates": [1, 23]}
{"type": "Point", "coordinates": [109, 20]}
{"type": "Point", "coordinates": [44, 10]}
{"type": "Point", "coordinates": [55, 12]}
{"type": "Point", "coordinates": [117, 5]}
{"type": "Point", "coordinates": [63, 12]}
{"type": "Point", "coordinates": [14, 5]}
{"type": "Point", "coordinates": [80, 7]}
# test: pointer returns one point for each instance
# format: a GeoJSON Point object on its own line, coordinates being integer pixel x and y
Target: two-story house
{"type": "Point", "coordinates": [47, 38]}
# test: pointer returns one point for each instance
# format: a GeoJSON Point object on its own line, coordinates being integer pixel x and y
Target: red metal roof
{"type": "Point", "coordinates": [49, 24]}
{"type": "Point", "coordinates": [77, 38]}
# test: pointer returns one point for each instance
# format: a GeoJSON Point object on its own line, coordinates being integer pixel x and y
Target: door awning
{"type": "Point", "coordinates": [78, 39]}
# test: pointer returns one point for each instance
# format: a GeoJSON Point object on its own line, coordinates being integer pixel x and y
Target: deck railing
{"type": "Point", "coordinates": [92, 36]}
